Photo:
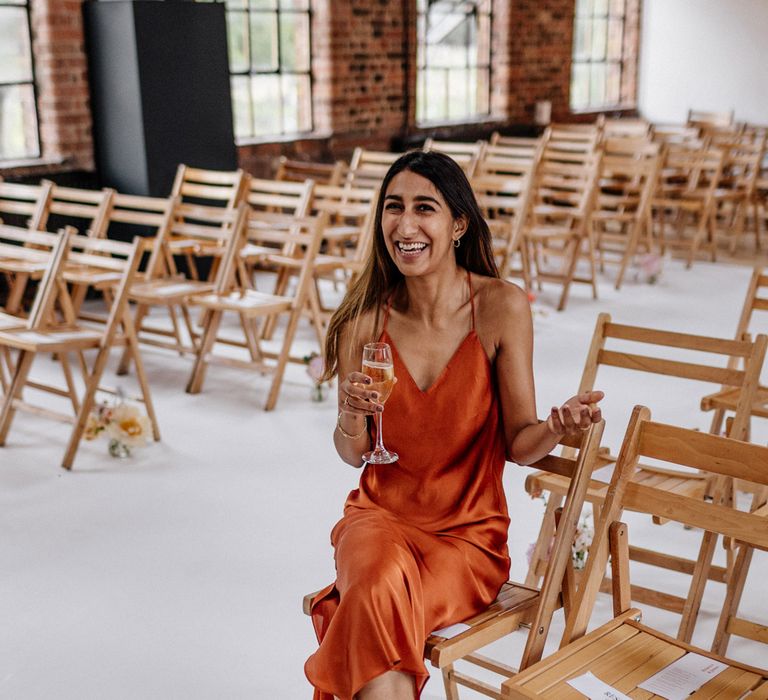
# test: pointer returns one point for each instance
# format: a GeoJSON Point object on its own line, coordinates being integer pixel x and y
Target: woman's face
{"type": "Point", "coordinates": [418, 226]}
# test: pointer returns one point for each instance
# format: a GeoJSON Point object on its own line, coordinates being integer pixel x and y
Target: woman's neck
{"type": "Point", "coordinates": [433, 299]}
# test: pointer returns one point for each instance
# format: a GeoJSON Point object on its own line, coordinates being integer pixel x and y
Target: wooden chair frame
{"type": "Point", "coordinates": [70, 337]}
{"type": "Point", "coordinates": [679, 483]}
{"type": "Point", "coordinates": [623, 652]}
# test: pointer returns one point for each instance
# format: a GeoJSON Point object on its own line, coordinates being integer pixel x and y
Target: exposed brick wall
{"type": "Point", "coordinates": [62, 82]}
{"type": "Point", "coordinates": [364, 73]}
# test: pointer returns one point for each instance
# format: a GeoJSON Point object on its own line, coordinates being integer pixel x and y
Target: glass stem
{"type": "Point", "coordinates": [379, 435]}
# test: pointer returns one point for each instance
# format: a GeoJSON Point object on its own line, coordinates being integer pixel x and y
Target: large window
{"type": "Point", "coordinates": [454, 60]}
{"type": "Point", "coordinates": [18, 114]}
{"type": "Point", "coordinates": [598, 54]}
{"type": "Point", "coordinates": [269, 65]}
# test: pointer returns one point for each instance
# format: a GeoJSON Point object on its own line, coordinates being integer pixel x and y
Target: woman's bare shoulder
{"type": "Point", "coordinates": [498, 298]}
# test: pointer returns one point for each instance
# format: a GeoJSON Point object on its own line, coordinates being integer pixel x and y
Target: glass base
{"type": "Point", "coordinates": [380, 457]}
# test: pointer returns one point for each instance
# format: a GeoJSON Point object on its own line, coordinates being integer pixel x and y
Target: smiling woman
{"type": "Point", "coordinates": [422, 543]}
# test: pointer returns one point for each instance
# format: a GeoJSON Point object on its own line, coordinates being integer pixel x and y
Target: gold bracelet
{"type": "Point", "coordinates": [346, 434]}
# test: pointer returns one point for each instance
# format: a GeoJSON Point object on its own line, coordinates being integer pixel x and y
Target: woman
{"type": "Point", "coordinates": [422, 543]}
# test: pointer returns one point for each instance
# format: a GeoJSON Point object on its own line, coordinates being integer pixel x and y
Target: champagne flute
{"type": "Point", "coordinates": [377, 364]}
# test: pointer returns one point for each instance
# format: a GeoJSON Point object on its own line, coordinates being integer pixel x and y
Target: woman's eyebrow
{"type": "Point", "coordinates": [417, 198]}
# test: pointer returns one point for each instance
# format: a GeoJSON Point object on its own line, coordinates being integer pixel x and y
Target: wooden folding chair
{"type": "Point", "coordinates": [300, 247]}
{"type": "Point", "coordinates": [558, 222]}
{"type": "Point", "coordinates": [367, 168]}
{"type": "Point", "coordinates": [221, 188]}
{"type": "Point", "coordinates": [610, 347]}
{"type": "Point", "coordinates": [467, 155]}
{"type": "Point", "coordinates": [684, 201]}
{"type": "Point", "coordinates": [620, 218]}
{"type": "Point", "coordinates": [530, 143]}
{"type": "Point", "coordinates": [38, 249]}
{"type": "Point", "coordinates": [708, 119]}
{"type": "Point", "coordinates": [24, 205]}
{"type": "Point", "coordinates": [625, 127]}
{"type": "Point", "coordinates": [676, 134]}
{"type": "Point", "coordinates": [293, 170]}
{"type": "Point", "coordinates": [735, 190]}
{"type": "Point", "coordinates": [624, 653]}
{"type": "Point", "coordinates": [508, 159]}
{"type": "Point", "coordinates": [70, 337]}
{"type": "Point", "coordinates": [209, 233]}
{"type": "Point", "coordinates": [505, 200]}
{"type": "Point", "coordinates": [518, 604]}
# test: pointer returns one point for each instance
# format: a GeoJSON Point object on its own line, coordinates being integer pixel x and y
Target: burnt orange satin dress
{"type": "Point", "coordinates": [423, 542]}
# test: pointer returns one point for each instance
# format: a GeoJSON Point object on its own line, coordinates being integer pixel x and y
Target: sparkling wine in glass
{"type": "Point", "coordinates": [377, 364]}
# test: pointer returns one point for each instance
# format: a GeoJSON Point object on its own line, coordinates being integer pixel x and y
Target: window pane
{"type": "Point", "coordinates": [597, 85]}
{"type": "Point", "coordinates": [617, 8]}
{"type": "Point", "coordinates": [583, 8]}
{"type": "Point", "coordinates": [264, 41]}
{"type": "Point", "coordinates": [436, 94]}
{"type": "Point", "coordinates": [599, 39]}
{"type": "Point", "coordinates": [296, 104]}
{"type": "Point", "coordinates": [294, 41]}
{"type": "Point", "coordinates": [615, 38]}
{"type": "Point", "coordinates": [267, 106]}
{"type": "Point", "coordinates": [294, 5]}
{"type": "Point", "coordinates": [580, 86]}
{"type": "Point", "coordinates": [264, 4]}
{"type": "Point", "coordinates": [458, 93]}
{"type": "Point", "coordinates": [236, 4]}
{"type": "Point", "coordinates": [237, 39]}
{"type": "Point", "coordinates": [241, 105]}
{"type": "Point", "coordinates": [18, 122]}
{"type": "Point", "coordinates": [15, 58]}
{"type": "Point", "coordinates": [582, 42]}
{"type": "Point", "coordinates": [600, 8]}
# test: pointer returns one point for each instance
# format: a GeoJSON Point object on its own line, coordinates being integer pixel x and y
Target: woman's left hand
{"type": "Point", "coordinates": [576, 414]}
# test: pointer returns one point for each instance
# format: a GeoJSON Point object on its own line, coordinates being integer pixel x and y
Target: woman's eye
{"type": "Point", "coordinates": [425, 207]}
{"type": "Point", "coordinates": [392, 206]}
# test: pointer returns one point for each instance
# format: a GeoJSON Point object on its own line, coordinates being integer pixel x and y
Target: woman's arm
{"type": "Point", "coordinates": [527, 439]}
{"type": "Point", "coordinates": [351, 437]}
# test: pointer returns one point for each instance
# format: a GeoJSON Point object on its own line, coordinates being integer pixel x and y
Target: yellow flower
{"type": "Point", "coordinates": [92, 427]}
{"type": "Point", "coordinates": [128, 426]}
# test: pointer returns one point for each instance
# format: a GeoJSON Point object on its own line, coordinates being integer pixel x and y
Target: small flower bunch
{"type": "Point", "coordinates": [315, 370]}
{"type": "Point", "coordinates": [125, 426]}
{"type": "Point", "coordinates": [535, 310]}
{"type": "Point", "coordinates": [650, 267]}
{"type": "Point", "coordinates": [581, 542]}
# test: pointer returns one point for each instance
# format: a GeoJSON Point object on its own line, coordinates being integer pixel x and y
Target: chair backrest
{"type": "Point", "coordinates": [741, 162]}
{"type": "Point", "coordinates": [86, 210]}
{"type": "Point", "coordinates": [704, 118]}
{"type": "Point", "coordinates": [221, 188]}
{"type": "Point", "coordinates": [676, 133]}
{"type": "Point", "coordinates": [24, 205]}
{"type": "Point", "coordinates": [467, 155]}
{"type": "Point", "coordinates": [626, 128]}
{"type": "Point", "coordinates": [578, 468]}
{"type": "Point", "coordinates": [626, 186]}
{"type": "Point", "coordinates": [204, 230]}
{"type": "Point", "coordinates": [720, 457]}
{"type": "Point", "coordinates": [630, 146]}
{"type": "Point", "coordinates": [300, 170]}
{"type": "Point", "coordinates": [368, 168]}
{"type": "Point", "coordinates": [565, 186]}
{"type": "Point", "coordinates": [504, 159]}
{"type": "Point", "coordinates": [39, 248]}
{"type": "Point", "coordinates": [130, 215]}
{"type": "Point", "coordinates": [525, 142]}
{"type": "Point", "coordinates": [688, 169]}
{"type": "Point", "coordinates": [649, 342]}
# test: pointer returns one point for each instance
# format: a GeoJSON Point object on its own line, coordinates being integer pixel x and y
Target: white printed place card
{"type": "Point", "coordinates": [683, 677]}
{"type": "Point", "coordinates": [451, 630]}
{"type": "Point", "coordinates": [595, 689]}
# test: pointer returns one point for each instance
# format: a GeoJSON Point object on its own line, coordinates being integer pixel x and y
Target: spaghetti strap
{"type": "Point", "coordinates": [386, 315]}
{"type": "Point", "coordinates": [471, 299]}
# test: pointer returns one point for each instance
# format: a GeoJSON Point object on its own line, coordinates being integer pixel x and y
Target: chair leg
{"type": "Point", "coordinates": [125, 359]}
{"type": "Point", "coordinates": [543, 540]}
{"type": "Point", "coordinates": [569, 272]}
{"type": "Point", "coordinates": [282, 359]}
{"type": "Point", "coordinates": [23, 365]}
{"type": "Point", "coordinates": [451, 687]}
{"type": "Point", "coordinates": [736, 581]}
{"type": "Point", "coordinates": [130, 339]}
{"type": "Point", "coordinates": [197, 377]}
{"type": "Point", "coordinates": [696, 590]}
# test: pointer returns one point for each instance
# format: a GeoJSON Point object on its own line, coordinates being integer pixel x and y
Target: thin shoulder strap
{"type": "Point", "coordinates": [386, 313]}
{"type": "Point", "coordinates": [471, 299]}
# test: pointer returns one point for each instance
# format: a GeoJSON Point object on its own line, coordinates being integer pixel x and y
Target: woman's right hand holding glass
{"type": "Point", "coordinates": [356, 397]}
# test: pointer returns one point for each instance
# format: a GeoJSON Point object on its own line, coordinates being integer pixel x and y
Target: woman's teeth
{"type": "Point", "coordinates": [411, 248]}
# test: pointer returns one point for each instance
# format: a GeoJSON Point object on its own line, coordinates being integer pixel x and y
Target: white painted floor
{"type": "Point", "coordinates": [179, 573]}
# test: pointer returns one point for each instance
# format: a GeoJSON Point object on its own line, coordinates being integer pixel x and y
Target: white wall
{"type": "Point", "coordinates": [704, 54]}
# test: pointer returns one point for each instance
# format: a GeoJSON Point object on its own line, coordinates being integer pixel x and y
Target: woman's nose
{"type": "Point", "coordinates": [408, 224]}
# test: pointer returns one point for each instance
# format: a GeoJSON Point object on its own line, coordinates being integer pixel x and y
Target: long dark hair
{"type": "Point", "coordinates": [380, 275]}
